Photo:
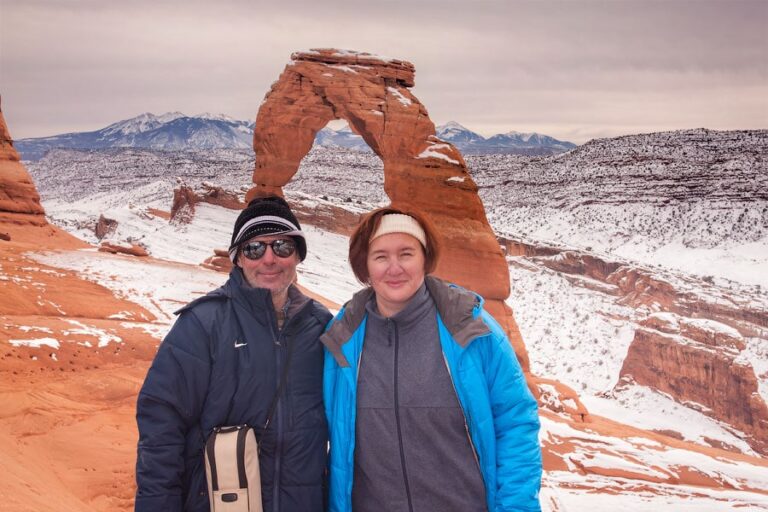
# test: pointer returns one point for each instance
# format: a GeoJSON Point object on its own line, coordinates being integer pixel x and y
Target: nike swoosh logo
{"type": "Point", "coordinates": [238, 345]}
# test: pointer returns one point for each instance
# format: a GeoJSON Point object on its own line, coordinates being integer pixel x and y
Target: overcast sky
{"type": "Point", "coordinates": [575, 70]}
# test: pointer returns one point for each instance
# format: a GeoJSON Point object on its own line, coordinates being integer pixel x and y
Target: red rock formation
{"type": "Point", "coordinates": [159, 213]}
{"type": "Point", "coordinates": [697, 366]}
{"type": "Point", "coordinates": [561, 399]}
{"type": "Point", "coordinates": [183, 208]}
{"type": "Point", "coordinates": [130, 249]}
{"type": "Point", "coordinates": [219, 262]}
{"type": "Point", "coordinates": [328, 217]}
{"type": "Point", "coordinates": [17, 191]}
{"type": "Point", "coordinates": [217, 195]}
{"type": "Point", "coordinates": [682, 352]}
{"type": "Point", "coordinates": [421, 172]}
{"type": "Point", "coordinates": [104, 227]}
{"type": "Point", "coordinates": [185, 199]}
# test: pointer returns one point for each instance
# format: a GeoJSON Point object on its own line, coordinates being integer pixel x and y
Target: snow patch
{"type": "Point", "coordinates": [431, 152]}
{"type": "Point", "coordinates": [35, 343]}
{"type": "Point", "coordinates": [400, 97]}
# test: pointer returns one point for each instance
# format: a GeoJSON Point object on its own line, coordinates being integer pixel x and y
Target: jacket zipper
{"type": "Point", "coordinates": [464, 416]}
{"type": "Point", "coordinates": [393, 326]}
{"type": "Point", "coordinates": [279, 349]}
{"type": "Point", "coordinates": [279, 424]}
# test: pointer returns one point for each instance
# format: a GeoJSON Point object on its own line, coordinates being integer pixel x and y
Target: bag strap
{"type": "Point", "coordinates": [210, 452]}
{"type": "Point", "coordinates": [281, 384]}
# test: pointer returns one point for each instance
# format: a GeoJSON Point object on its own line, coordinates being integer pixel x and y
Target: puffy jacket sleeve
{"type": "Point", "coordinates": [516, 424]}
{"type": "Point", "coordinates": [169, 404]}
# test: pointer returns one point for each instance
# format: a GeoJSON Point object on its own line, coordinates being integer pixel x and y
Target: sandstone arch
{"type": "Point", "coordinates": [421, 171]}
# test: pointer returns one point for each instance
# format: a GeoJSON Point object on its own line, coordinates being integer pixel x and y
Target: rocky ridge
{"type": "Point", "coordinates": [701, 188]}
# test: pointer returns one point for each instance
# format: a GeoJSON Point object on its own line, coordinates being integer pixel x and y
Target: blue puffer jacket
{"type": "Point", "coordinates": [219, 365]}
{"type": "Point", "coordinates": [500, 411]}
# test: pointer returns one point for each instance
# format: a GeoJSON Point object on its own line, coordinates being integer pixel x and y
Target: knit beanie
{"type": "Point", "coordinates": [267, 216]}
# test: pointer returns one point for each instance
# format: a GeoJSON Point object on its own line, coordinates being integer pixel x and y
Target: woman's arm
{"type": "Point", "coordinates": [516, 423]}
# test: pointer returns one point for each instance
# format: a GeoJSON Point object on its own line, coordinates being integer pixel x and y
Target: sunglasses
{"type": "Point", "coordinates": [283, 248]}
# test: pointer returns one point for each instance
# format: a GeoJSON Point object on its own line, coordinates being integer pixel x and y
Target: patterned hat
{"type": "Point", "coordinates": [267, 216]}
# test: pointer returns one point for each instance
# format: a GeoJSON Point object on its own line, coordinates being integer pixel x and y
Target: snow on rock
{"type": "Point", "coordinates": [400, 97]}
{"type": "Point", "coordinates": [161, 288]}
{"type": "Point", "coordinates": [649, 409]}
{"type": "Point", "coordinates": [36, 343]}
{"type": "Point", "coordinates": [103, 336]}
{"type": "Point", "coordinates": [431, 152]}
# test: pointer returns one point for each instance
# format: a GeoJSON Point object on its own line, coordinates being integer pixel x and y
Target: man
{"type": "Point", "coordinates": [220, 365]}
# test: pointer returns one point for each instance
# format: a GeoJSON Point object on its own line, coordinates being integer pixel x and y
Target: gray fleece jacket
{"type": "Point", "coordinates": [412, 450]}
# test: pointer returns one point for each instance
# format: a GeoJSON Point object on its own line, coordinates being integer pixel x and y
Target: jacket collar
{"type": "Point", "coordinates": [417, 307]}
{"type": "Point", "coordinates": [458, 308]}
{"type": "Point", "coordinates": [256, 300]}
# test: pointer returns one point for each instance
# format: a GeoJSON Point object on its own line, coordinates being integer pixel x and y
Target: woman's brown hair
{"type": "Point", "coordinates": [360, 241]}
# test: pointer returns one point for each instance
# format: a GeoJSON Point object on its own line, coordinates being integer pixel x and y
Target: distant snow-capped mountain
{"type": "Point", "coordinates": [169, 131]}
{"type": "Point", "coordinates": [343, 137]}
{"type": "Point", "coordinates": [175, 131]}
{"type": "Point", "coordinates": [471, 143]}
{"type": "Point", "coordinates": [456, 134]}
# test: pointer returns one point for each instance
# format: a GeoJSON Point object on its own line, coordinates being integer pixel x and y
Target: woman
{"type": "Point", "coordinates": [427, 406]}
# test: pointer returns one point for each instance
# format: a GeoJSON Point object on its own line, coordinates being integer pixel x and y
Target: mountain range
{"type": "Point", "coordinates": [174, 131]}
{"type": "Point", "coordinates": [471, 143]}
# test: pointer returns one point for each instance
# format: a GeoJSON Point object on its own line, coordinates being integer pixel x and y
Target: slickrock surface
{"type": "Point", "coordinates": [72, 358]}
{"type": "Point", "coordinates": [420, 171]}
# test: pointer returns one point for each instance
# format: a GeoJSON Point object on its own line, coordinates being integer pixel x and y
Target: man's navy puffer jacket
{"type": "Point", "coordinates": [219, 365]}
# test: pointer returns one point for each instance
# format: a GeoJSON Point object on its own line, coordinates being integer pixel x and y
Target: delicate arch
{"type": "Point", "coordinates": [420, 171]}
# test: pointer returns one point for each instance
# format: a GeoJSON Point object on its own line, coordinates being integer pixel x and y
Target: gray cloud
{"type": "Point", "coordinates": [571, 69]}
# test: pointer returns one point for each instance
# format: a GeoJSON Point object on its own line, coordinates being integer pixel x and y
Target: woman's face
{"type": "Point", "coordinates": [396, 270]}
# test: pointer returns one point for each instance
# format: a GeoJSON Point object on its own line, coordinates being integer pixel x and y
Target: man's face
{"type": "Point", "coordinates": [270, 271]}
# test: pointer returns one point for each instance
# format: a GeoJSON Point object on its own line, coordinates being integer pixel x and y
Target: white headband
{"type": "Point", "coordinates": [400, 223]}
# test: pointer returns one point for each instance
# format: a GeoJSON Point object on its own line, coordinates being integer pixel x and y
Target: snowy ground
{"type": "Point", "coordinates": [161, 287]}
{"type": "Point", "coordinates": [580, 337]}
{"type": "Point", "coordinates": [168, 285]}
{"type": "Point", "coordinates": [570, 491]}
{"type": "Point", "coordinates": [555, 317]}
{"type": "Point", "coordinates": [588, 493]}
{"type": "Point", "coordinates": [595, 341]}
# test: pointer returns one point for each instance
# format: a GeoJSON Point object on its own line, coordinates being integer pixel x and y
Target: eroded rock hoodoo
{"type": "Point", "coordinates": [420, 171]}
